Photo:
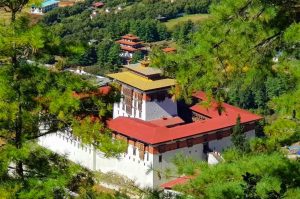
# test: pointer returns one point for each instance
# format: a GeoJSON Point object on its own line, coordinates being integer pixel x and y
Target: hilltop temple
{"type": "Point", "coordinates": [130, 44]}
{"type": "Point", "coordinates": [156, 128]}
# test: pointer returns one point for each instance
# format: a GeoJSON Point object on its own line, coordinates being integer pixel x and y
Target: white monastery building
{"type": "Point", "coordinates": [156, 129]}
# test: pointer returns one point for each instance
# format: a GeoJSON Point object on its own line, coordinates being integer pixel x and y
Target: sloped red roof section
{"type": "Point", "coordinates": [128, 48]}
{"type": "Point", "coordinates": [98, 4]}
{"type": "Point", "coordinates": [130, 37]}
{"type": "Point", "coordinates": [177, 181]}
{"type": "Point", "coordinates": [104, 90]}
{"type": "Point", "coordinates": [168, 121]}
{"type": "Point", "coordinates": [169, 50]}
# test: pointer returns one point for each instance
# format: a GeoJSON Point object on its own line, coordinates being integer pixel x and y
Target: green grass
{"type": "Point", "coordinates": [194, 18]}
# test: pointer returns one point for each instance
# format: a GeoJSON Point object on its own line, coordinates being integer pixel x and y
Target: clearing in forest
{"type": "Point", "coordinates": [194, 18]}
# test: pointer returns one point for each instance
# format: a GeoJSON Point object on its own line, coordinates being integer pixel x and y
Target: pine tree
{"type": "Point", "coordinates": [137, 56]}
{"type": "Point", "coordinates": [35, 102]}
{"type": "Point", "coordinates": [238, 137]}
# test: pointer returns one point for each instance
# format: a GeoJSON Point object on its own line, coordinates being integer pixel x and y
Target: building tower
{"type": "Point", "coordinates": [145, 93]}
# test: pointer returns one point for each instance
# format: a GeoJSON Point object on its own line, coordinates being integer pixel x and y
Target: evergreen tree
{"type": "Point", "coordinates": [238, 136]}
{"type": "Point", "coordinates": [89, 57]}
{"type": "Point", "coordinates": [114, 55]}
{"type": "Point", "coordinates": [35, 102]}
{"type": "Point", "coordinates": [137, 56]}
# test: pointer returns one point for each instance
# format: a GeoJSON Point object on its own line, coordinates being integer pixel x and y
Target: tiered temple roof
{"type": "Point", "coordinates": [142, 77]}
{"type": "Point", "coordinates": [130, 43]}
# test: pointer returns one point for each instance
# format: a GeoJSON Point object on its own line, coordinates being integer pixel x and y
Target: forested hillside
{"type": "Point", "coordinates": [74, 28]}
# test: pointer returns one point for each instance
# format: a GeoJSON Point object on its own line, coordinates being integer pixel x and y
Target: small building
{"type": "Point", "coordinates": [46, 6]}
{"type": "Point", "coordinates": [98, 4]}
{"type": "Point", "coordinates": [94, 14]}
{"type": "Point", "coordinates": [169, 50]}
{"type": "Point", "coordinates": [161, 18]}
{"type": "Point", "coordinates": [130, 44]}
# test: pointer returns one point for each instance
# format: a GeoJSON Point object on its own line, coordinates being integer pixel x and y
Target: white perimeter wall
{"type": "Point", "coordinates": [128, 165]}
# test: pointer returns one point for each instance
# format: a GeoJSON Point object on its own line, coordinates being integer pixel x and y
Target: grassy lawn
{"type": "Point", "coordinates": [194, 18]}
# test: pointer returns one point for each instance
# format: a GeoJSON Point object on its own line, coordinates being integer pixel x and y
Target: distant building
{"type": "Point", "coordinates": [46, 6]}
{"type": "Point", "coordinates": [169, 50]}
{"type": "Point", "coordinates": [130, 44]}
{"type": "Point", "coordinates": [94, 14]}
{"type": "Point", "coordinates": [98, 4]}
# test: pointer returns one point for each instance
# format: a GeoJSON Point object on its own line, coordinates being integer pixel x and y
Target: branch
{"type": "Point", "coordinates": [42, 134]}
{"type": "Point", "coordinates": [267, 40]}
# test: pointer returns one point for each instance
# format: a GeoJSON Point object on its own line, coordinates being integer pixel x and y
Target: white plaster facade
{"type": "Point", "coordinates": [150, 110]}
{"type": "Point", "coordinates": [128, 164]}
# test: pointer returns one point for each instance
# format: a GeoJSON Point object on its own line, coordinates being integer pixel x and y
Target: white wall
{"type": "Point", "coordinates": [157, 110]}
{"type": "Point", "coordinates": [195, 152]}
{"type": "Point", "coordinates": [128, 165]}
{"type": "Point", "coordinates": [119, 111]}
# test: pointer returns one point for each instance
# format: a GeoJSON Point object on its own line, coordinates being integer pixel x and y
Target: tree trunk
{"type": "Point", "coordinates": [13, 16]}
{"type": "Point", "coordinates": [18, 140]}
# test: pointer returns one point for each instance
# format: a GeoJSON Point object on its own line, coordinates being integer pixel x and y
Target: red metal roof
{"type": "Point", "coordinates": [98, 4]}
{"type": "Point", "coordinates": [104, 90]}
{"type": "Point", "coordinates": [130, 37]}
{"type": "Point", "coordinates": [130, 43]}
{"type": "Point", "coordinates": [127, 48]}
{"type": "Point", "coordinates": [177, 181]}
{"type": "Point", "coordinates": [168, 50]}
{"type": "Point", "coordinates": [170, 121]}
{"type": "Point", "coordinates": [153, 133]}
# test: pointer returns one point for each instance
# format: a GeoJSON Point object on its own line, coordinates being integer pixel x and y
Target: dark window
{"type": "Point", "coordinates": [134, 151]}
{"type": "Point", "coordinates": [190, 142]}
{"type": "Point", "coordinates": [206, 147]}
{"type": "Point", "coordinates": [160, 158]}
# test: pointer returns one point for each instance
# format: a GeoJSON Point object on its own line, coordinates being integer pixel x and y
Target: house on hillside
{"type": "Point", "coordinates": [169, 50]}
{"type": "Point", "coordinates": [156, 128]}
{"type": "Point", "coordinates": [98, 4]}
{"type": "Point", "coordinates": [46, 6]}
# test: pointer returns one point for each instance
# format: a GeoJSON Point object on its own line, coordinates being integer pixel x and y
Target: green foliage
{"type": "Point", "coordinates": [225, 179]}
{"type": "Point", "coordinates": [238, 136]}
{"type": "Point", "coordinates": [35, 102]}
{"type": "Point", "coordinates": [247, 54]}
{"type": "Point", "coordinates": [232, 53]}
{"type": "Point", "coordinates": [182, 31]}
{"type": "Point", "coordinates": [137, 56]}
{"type": "Point", "coordinates": [75, 28]}
{"type": "Point", "coordinates": [284, 131]}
